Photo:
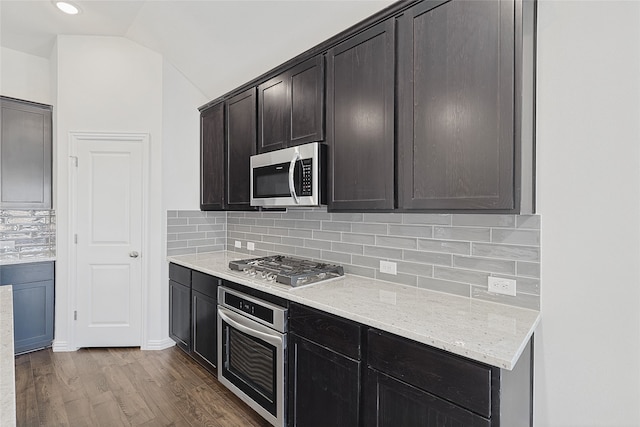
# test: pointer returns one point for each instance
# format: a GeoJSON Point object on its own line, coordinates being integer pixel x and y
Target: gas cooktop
{"type": "Point", "coordinates": [287, 270]}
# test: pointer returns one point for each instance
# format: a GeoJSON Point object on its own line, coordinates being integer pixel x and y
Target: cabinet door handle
{"type": "Point", "coordinates": [134, 254]}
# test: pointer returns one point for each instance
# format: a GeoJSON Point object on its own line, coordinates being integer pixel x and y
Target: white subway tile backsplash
{"type": "Point", "coordinates": [453, 253]}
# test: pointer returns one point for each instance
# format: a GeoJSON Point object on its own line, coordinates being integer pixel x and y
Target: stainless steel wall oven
{"type": "Point", "coordinates": [252, 340]}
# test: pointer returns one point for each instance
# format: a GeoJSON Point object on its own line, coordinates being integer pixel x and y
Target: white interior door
{"type": "Point", "coordinates": [108, 218]}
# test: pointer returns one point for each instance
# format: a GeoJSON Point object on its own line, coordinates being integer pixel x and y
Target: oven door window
{"type": "Point", "coordinates": [250, 364]}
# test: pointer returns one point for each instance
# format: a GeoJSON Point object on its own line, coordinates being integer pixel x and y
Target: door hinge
{"type": "Point", "coordinates": [75, 239]}
{"type": "Point", "coordinates": [75, 315]}
{"type": "Point", "coordinates": [75, 160]}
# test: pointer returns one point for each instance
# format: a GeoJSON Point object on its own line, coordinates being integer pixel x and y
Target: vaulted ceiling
{"type": "Point", "coordinates": [207, 40]}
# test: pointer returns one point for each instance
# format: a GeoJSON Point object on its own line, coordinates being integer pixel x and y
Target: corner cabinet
{"type": "Point", "coordinates": [465, 106]}
{"type": "Point", "coordinates": [360, 120]}
{"type": "Point", "coordinates": [33, 304]}
{"type": "Point", "coordinates": [291, 107]}
{"type": "Point", "coordinates": [25, 154]}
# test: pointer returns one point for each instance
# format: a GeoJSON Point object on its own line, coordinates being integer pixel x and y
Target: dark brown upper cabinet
{"type": "Point", "coordinates": [25, 154]}
{"type": "Point", "coordinates": [212, 148]}
{"type": "Point", "coordinates": [464, 125]}
{"type": "Point", "coordinates": [291, 107]}
{"type": "Point", "coordinates": [241, 145]}
{"type": "Point", "coordinates": [360, 120]}
{"type": "Point", "coordinates": [227, 141]}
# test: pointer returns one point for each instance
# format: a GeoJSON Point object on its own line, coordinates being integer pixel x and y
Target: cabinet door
{"type": "Point", "coordinates": [212, 158]}
{"type": "Point", "coordinates": [274, 110]}
{"type": "Point", "coordinates": [291, 107]}
{"type": "Point", "coordinates": [180, 315]}
{"type": "Point", "coordinates": [307, 101]}
{"type": "Point", "coordinates": [389, 403]}
{"type": "Point", "coordinates": [360, 120]}
{"type": "Point", "coordinates": [323, 386]}
{"type": "Point", "coordinates": [25, 155]}
{"type": "Point", "coordinates": [204, 343]}
{"type": "Point", "coordinates": [33, 315]}
{"type": "Point", "coordinates": [241, 145]}
{"type": "Point", "coordinates": [455, 112]}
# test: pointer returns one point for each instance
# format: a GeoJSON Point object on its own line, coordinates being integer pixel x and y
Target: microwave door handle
{"type": "Point", "coordinates": [227, 315]}
{"type": "Point", "coordinates": [292, 187]}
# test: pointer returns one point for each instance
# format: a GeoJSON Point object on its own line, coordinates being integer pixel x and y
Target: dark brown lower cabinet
{"type": "Point", "coordinates": [390, 402]}
{"type": "Point", "coordinates": [411, 384]}
{"type": "Point", "coordinates": [324, 369]}
{"type": "Point", "coordinates": [180, 314]}
{"type": "Point", "coordinates": [204, 312]}
{"type": "Point", "coordinates": [324, 386]}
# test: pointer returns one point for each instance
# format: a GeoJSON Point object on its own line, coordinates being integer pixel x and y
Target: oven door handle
{"type": "Point", "coordinates": [237, 321]}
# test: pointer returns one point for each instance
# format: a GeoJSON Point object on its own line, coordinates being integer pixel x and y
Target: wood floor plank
{"type": "Point", "coordinates": [124, 387]}
{"type": "Point", "coordinates": [51, 410]}
{"type": "Point", "coordinates": [67, 376]}
{"type": "Point", "coordinates": [26, 400]}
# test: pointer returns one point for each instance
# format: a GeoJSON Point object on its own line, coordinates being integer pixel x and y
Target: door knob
{"type": "Point", "coordinates": [134, 254]}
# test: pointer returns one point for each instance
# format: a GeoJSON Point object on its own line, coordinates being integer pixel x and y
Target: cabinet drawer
{"type": "Point", "coordinates": [205, 284]}
{"type": "Point", "coordinates": [180, 274]}
{"type": "Point", "coordinates": [325, 329]}
{"type": "Point", "coordinates": [26, 273]}
{"type": "Point", "coordinates": [451, 377]}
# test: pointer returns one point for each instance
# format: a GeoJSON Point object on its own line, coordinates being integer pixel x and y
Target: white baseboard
{"type": "Point", "coordinates": [62, 346]}
{"type": "Point", "coordinates": [158, 344]}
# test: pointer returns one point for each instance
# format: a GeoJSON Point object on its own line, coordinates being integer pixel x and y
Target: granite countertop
{"type": "Point", "coordinates": [7, 360]}
{"type": "Point", "coordinates": [12, 261]}
{"type": "Point", "coordinates": [488, 332]}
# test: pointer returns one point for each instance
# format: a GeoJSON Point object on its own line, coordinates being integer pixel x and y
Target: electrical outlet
{"type": "Point", "coordinates": [238, 244]}
{"type": "Point", "coordinates": [251, 246]}
{"type": "Point", "coordinates": [388, 267]}
{"type": "Point", "coordinates": [7, 244]}
{"type": "Point", "coordinates": [500, 285]}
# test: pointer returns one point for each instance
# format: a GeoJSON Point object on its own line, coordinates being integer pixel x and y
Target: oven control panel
{"type": "Point", "coordinates": [249, 307]}
{"type": "Point", "coordinates": [264, 312]}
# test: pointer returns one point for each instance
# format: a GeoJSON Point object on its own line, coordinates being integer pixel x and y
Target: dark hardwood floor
{"type": "Point", "coordinates": [123, 387]}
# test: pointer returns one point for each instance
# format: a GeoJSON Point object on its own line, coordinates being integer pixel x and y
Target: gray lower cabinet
{"type": "Point", "coordinates": [33, 304]}
{"type": "Point", "coordinates": [180, 306]}
{"type": "Point", "coordinates": [25, 154]}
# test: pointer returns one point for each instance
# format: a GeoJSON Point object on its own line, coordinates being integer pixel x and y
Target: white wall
{"type": "Point", "coordinates": [588, 345]}
{"type": "Point", "coordinates": [108, 84]}
{"type": "Point", "coordinates": [24, 76]}
{"type": "Point", "coordinates": [181, 140]}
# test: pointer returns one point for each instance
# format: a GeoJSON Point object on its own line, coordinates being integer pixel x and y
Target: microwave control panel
{"type": "Point", "coordinates": [307, 180]}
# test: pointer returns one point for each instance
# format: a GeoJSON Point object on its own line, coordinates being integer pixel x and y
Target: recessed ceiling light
{"type": "Point", "coordinates": [68, 8]}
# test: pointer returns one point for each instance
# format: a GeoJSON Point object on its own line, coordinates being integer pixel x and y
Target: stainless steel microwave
{"type": "Point", "coordinates": [294, 176]}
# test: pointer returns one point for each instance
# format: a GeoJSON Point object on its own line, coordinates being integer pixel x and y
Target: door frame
{"type": "Point", "coordinates": [76, 138]}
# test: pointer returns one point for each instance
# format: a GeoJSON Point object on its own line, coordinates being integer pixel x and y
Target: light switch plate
{"type": "Point", "coordinates": [238, 244]}
{"type": "Point", "coordinates": [500, 285]}
{"type": "Point", "coordinates": [251, 246]}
